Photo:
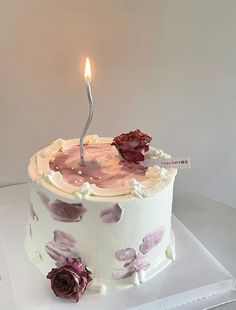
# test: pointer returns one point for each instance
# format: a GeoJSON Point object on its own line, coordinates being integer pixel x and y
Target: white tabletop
{"type": "Point", "coordinates": [213, 223]}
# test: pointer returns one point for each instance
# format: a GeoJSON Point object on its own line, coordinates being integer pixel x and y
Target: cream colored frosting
{"type": "Point", "coordinates": [39, 170]}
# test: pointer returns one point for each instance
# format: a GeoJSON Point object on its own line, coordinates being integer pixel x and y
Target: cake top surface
{"type": "Point", "coordinates": [104, 166]}
{"type": "Point", "coordinates": [106, 175]}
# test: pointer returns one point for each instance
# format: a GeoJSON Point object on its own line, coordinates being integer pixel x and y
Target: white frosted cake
{"type": "Point", "coordinates": [111, 217]}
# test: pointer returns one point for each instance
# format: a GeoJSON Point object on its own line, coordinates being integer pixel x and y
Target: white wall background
{"type": "Point", "coordinates": [166, 67]}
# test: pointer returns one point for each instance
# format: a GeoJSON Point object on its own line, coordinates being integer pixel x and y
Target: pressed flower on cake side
{"type": "Point", "coordinates": [70, 280]}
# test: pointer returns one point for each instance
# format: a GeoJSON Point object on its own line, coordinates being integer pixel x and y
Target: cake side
{"type": "Point", "coordinates": [122, 243]}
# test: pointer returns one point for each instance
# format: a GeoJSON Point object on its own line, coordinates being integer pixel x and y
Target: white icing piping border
{"type": "Point", "coordinates": [39, 171]}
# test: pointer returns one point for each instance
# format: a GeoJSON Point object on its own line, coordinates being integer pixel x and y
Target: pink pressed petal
{"type": "Point", "coordinates": [112, 215]}
{"type": "Point", "coordinates": [66, 212]}
{"type": "Point", "coordinates": [44, 199]}
{"type": "Point", "coordinates": [63, 240]}
{"type": "Point", "coordinates": [125, 254]}
{"type": "Point", "coordinates": [151, 240]}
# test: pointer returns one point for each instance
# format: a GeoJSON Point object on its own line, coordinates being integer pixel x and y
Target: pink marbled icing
{"type": "Point", "coordinates": [104, 166]}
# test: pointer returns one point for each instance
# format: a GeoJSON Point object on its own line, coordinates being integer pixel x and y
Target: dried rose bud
{"type": "Point", "coordinates": [70, 281]}
{"type": "Point", "coordinates": [133, 145]}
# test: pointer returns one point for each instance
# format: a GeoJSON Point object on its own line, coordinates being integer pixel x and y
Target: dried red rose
{"type": "Point", "coordinates": [70, 281]}
{"type": "Point", "coordinates": [133, 145]}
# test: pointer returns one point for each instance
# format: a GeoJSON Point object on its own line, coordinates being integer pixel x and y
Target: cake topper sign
{"type": "Point", "coordinates": [172, 162]}
{"type": "Point", "coordinates": [87, 76]}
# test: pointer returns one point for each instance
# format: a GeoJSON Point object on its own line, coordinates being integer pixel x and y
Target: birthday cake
{"type": "Point", "coordinates": [104, 225]}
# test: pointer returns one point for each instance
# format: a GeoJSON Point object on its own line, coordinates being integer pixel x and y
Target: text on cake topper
{"type": "Point", "coordinates": [173, 162]}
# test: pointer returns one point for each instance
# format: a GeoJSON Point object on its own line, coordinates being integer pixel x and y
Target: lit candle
{"type": "Point", "coordinates": [87, 76]}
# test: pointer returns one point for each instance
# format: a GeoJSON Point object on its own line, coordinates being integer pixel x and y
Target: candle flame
{"type": "Point", "coordinates": [87, 73]}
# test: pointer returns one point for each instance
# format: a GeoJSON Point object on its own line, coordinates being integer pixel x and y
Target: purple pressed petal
{"type": "Point", "coordinates": [139, 263]}
{"type": "Point", "coordinates": [107, 217]}
{"type": "Point", "coordinates": [44, 199]}
{"type": "Point", "coordinates": [156, 236]}
{"type": "Point", "coordinates": [151, 240]}
{"type": "Point", "coordinates": [118, 210]}
{"type": "Point", "coordinates": [112, 215]}
{"type": "Point", "coordinates": [122, 273]}
{"type": "Point", "coordinates": [30, 231]}
{"type": "Point", "coordinates": [63, 240]}
{"type": "Point", "coordinates": [66, 212]}
{"type": "Point", "coordinates": [126, 264]}
{"type": "Point", "coordinates": [54, 252]}
{"type": "Point", "coordinates": [61, 247]}
{"type": "Point", "coordinates": [32, 213]}
{"type": "Point", "coordinates": [125, 254]}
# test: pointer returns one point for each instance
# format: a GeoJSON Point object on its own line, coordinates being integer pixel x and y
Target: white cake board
{"type": "Point", "coordinates": [196, 280]}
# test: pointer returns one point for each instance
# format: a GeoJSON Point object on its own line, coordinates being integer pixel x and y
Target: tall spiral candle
{"type": "Point", "coordinates": [91, 110]}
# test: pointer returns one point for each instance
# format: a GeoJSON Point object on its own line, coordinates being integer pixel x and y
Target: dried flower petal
{"type": "Point", "coordinates": [125, 254]}
{"type": "Point", "coordinates": [112, 215]}
{"type": "Point", "coordinates": [151, 240]}
{"type": "Point", "coordinates": [63, 211]}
